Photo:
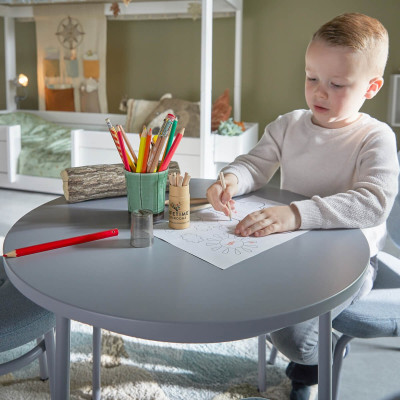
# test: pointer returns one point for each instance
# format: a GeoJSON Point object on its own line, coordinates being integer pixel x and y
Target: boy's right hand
{"type": "Point", "coordinates": [219, 198]}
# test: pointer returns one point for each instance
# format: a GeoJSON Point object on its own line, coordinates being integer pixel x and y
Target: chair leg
{"type": "Point", "coordinates": [51, 359]}
{"type": "Point", "coordinates": [273, 355]}
{"type": "Point", "coordinates": [96, 384]}
{"type": "Point", "coordinates": [337, 364]}
{"type": "Point", "coordinates": [44, 375]}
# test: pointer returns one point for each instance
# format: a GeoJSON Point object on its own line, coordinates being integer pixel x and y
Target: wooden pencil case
{"type": "Point", "coordinates": [179, 207]}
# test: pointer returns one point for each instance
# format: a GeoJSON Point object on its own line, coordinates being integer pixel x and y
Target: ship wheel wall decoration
{"type": "Point", "coordinates": [70, 33]}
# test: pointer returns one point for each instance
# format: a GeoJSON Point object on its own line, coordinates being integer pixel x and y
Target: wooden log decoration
{"type": "Point", "coordinates": [93, 182]}
{"type": "Point", "coordinates": [97, 181]}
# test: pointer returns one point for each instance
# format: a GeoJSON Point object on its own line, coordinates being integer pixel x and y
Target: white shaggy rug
{"type": "Point", "coordinates": [147, 370]}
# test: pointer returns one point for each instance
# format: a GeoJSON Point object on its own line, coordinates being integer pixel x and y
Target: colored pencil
{"type": "Point", "coordinates": [142, 146]}
{"type": "Point", "coordinates": [146, 151]}
{"type": "Point", "coordinates": [123, 151]}
{"type": "Point", "coordinates": [114, 135]}
{"type": "Point", "coordinates": [170, 137]}
{"type": "Point", "coordinates": [161, 140]}
{"type": "Point", "coordinates": [120, 127]}
{"type": "Point", "coordinates": [167, 160]}
{"type": "Point", "coordinates": [194, 201]}
{"type": "Point", "coordinates": [158, 149]}
{"type": "Point", "coordinates": [38, 248]}
{"type": "Point", "coordinates": [222, 179]}
{"type": "Point", "coordinates": [186, 179]}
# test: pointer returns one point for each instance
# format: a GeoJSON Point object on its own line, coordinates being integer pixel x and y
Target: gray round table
{"type": "Point", "coordinates": [163, 293]}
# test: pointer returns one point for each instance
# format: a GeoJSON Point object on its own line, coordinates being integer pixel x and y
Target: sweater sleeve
{"type": "Point", "coordinates": [369, 201]}
{"type": "Point", "coordinates": [256, 168]}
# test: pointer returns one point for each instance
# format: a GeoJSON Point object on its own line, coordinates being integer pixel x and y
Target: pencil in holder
{"type": "Point", "coordinates": [179, 207]}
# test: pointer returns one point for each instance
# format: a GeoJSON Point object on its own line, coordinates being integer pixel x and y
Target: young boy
{"type": "Point", "coordinates": [343, 161]}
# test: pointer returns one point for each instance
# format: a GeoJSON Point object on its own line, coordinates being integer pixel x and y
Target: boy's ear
{"type": "Point", "coordinates": [374, 86]}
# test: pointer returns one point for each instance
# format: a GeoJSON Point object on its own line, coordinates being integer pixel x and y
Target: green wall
{"type": "Point", "coordinates": [146, 59]}
{"type": "Point", "coordinates": [276, 34]}
{"type": "Point", "coordinates": [2, 70]}
{"type": "Point", "coordinates": [25, 37]}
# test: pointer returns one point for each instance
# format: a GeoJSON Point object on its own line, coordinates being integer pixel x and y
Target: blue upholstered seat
{"type": "Point", "coordinates": [378, 314]}
{"type": "Point", "coordinates": [21, 322]}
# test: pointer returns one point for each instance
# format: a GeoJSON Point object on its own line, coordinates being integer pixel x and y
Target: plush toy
{"type": "Point", "coordinates": [221, 110]}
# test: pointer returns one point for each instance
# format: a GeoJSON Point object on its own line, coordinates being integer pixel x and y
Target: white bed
{"type": "Point", "coordinates": [91, 144]}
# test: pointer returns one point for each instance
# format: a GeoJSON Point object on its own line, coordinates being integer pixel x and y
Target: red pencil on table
{"type": "Point", "coordinates": [38, 248]}
{"type": "Point", "coordinates": [168, 157]}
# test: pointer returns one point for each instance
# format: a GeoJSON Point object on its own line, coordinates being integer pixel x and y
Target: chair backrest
{"type": "Point", "coordinates": [393, 221]}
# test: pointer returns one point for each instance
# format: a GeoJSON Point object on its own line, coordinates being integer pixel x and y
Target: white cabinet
{"type": "Point", "coordinates": [394, 101]}
{"type": "Point", "coordinates": [227, 148]}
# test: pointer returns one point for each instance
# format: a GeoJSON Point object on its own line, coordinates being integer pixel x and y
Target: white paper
{"type": "Point", "coordinates": [211, 234]}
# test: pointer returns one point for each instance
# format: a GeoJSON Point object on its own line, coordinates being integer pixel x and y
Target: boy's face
{"type": "Point", "coordinates": [337, 80]}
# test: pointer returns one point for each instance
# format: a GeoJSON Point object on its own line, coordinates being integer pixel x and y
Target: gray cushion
{"type": "Point", "coordinates": [21, 320]}
{"type": "Point", "coordinates": [394, 217]}
{"type": "Point", "coordinates": [376, 315]}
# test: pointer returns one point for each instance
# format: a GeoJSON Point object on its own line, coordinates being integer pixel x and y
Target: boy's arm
{"type": "Point", "coordinates": [255, 169]}
{"type": "Point", "coordinates": [368, 202]}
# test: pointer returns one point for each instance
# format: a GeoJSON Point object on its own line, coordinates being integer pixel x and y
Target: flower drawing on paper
{"type": "Point", "coordinates": [192, 238]}
{"type": "Point", "coordinates": [203, 227]}
{"type": "Point", "coordinates": [255, 205]}
{"type": "Point", "coordinates": [228, 244]}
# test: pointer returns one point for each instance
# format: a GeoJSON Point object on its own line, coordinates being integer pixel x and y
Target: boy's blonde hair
{"type": "Point", "coordinates": [362, 34]}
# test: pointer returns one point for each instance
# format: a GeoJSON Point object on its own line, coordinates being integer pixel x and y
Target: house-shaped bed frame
{"type": "Point", "coordinates": [201, 157]}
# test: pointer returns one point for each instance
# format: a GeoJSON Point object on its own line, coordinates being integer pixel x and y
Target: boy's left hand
{"type": "Point", "coordinates": [269, 220]}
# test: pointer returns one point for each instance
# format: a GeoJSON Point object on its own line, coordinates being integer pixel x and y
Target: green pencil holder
{"type": "Point", "coordinates": [147, 191]}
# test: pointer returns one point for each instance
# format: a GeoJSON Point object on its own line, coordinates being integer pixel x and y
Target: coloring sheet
{"type": "Point", "coordinates": [211, 234]}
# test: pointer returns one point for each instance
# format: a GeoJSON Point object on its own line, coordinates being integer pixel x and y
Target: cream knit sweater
{"type": "Point", "coordinates": [349, 175]}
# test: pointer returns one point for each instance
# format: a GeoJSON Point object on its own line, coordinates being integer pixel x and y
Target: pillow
{"type": "Point", "coordinates": [187, 112]}
{"type": "Point", "coordinates": [138, 110]}
{"type": "Point", "coordinates": [156, 123]}
{"type": "Point", "coordinates": [221, 110]}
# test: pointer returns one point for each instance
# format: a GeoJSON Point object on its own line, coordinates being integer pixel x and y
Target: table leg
{"type": "Point", "coordinates": [96, 385]}
{"type": "Point", "coordinates": [261, 363]}
{"type": "Point", "coordinates": [63, 326]}
{"type": "Point", "coordinates": [325, 357]}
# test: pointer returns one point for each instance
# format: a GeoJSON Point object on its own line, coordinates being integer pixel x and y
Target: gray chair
{"type": "Point", "coordinates": [21, 322]}
{"type": "Point", "coordinates": [377, 314]}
